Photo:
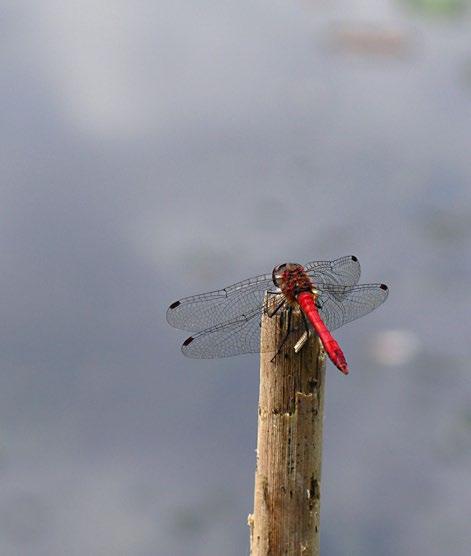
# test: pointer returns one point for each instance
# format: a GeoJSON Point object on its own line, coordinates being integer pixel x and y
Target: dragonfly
{"type": "Point", "coordinates": [327, 294]}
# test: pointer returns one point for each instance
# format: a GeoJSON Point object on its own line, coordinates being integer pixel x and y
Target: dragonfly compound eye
{"type": "Point", "coordinates": [277, 274]}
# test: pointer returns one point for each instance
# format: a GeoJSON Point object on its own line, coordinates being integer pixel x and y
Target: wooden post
{"type": "Point", "coordinates": [285, 521]}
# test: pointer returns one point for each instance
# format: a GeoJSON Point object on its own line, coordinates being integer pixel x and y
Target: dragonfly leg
{"type": "Point", "coordinates": [304, 336]}
{"type": "Point", "coordinates": [272, 313]}
{"type": "Point", "coordinates": [286, 336]}
{"type": "Point", "coordinates": [306, 323]}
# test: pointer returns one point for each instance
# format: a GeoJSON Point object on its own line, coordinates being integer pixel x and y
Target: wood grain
{"type": "Point", "coordinates": [286, 513]}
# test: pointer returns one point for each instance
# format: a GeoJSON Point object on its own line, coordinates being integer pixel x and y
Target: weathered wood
{"type": "Point", "coordinates": [285, 521]}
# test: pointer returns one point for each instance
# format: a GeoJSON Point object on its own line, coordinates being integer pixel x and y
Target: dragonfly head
{"type": "Point", "coordinates": [281, 271]}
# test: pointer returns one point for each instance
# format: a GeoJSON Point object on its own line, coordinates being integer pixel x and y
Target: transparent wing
{"type": "Point", "coordinates": [342, 304]}
{"type": "Point", "coordinates": [209, 309]}
{"type": "Point", "coordinates": [240, 335]}
{"type": "Point", "coordinates": [206, 310]}
{"type": "Point", "coordinates": [339, 305]}
{"type": "Point", "coordinates": [344, 271]}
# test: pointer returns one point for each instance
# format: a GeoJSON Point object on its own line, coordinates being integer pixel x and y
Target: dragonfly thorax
{"type": "Point", "coordinates": [292, 279]}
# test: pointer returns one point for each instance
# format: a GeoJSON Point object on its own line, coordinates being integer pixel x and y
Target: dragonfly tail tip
{"type": "Point", "coordinates": [343, 367]}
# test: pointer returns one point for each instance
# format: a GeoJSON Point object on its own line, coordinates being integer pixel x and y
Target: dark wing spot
{"type": "Point", "coordinates": [188, 341]}
{"type": "Point", "coordinates": [384, 287]}
{"type": "Point", "coordinates": [174, 305]}
{"type": "Point", "coordinates": [354, 258]}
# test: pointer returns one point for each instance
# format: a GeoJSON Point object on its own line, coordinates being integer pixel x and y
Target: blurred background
{"type": "Point", "coordinates": [156, 149]}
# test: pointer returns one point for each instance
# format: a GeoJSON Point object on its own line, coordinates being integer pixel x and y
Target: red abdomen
{"type": "Point", "coordinates": [332, 348]}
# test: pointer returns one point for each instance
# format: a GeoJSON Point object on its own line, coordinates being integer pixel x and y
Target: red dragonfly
{"type": "Point", "coordinates": [228, 321]}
